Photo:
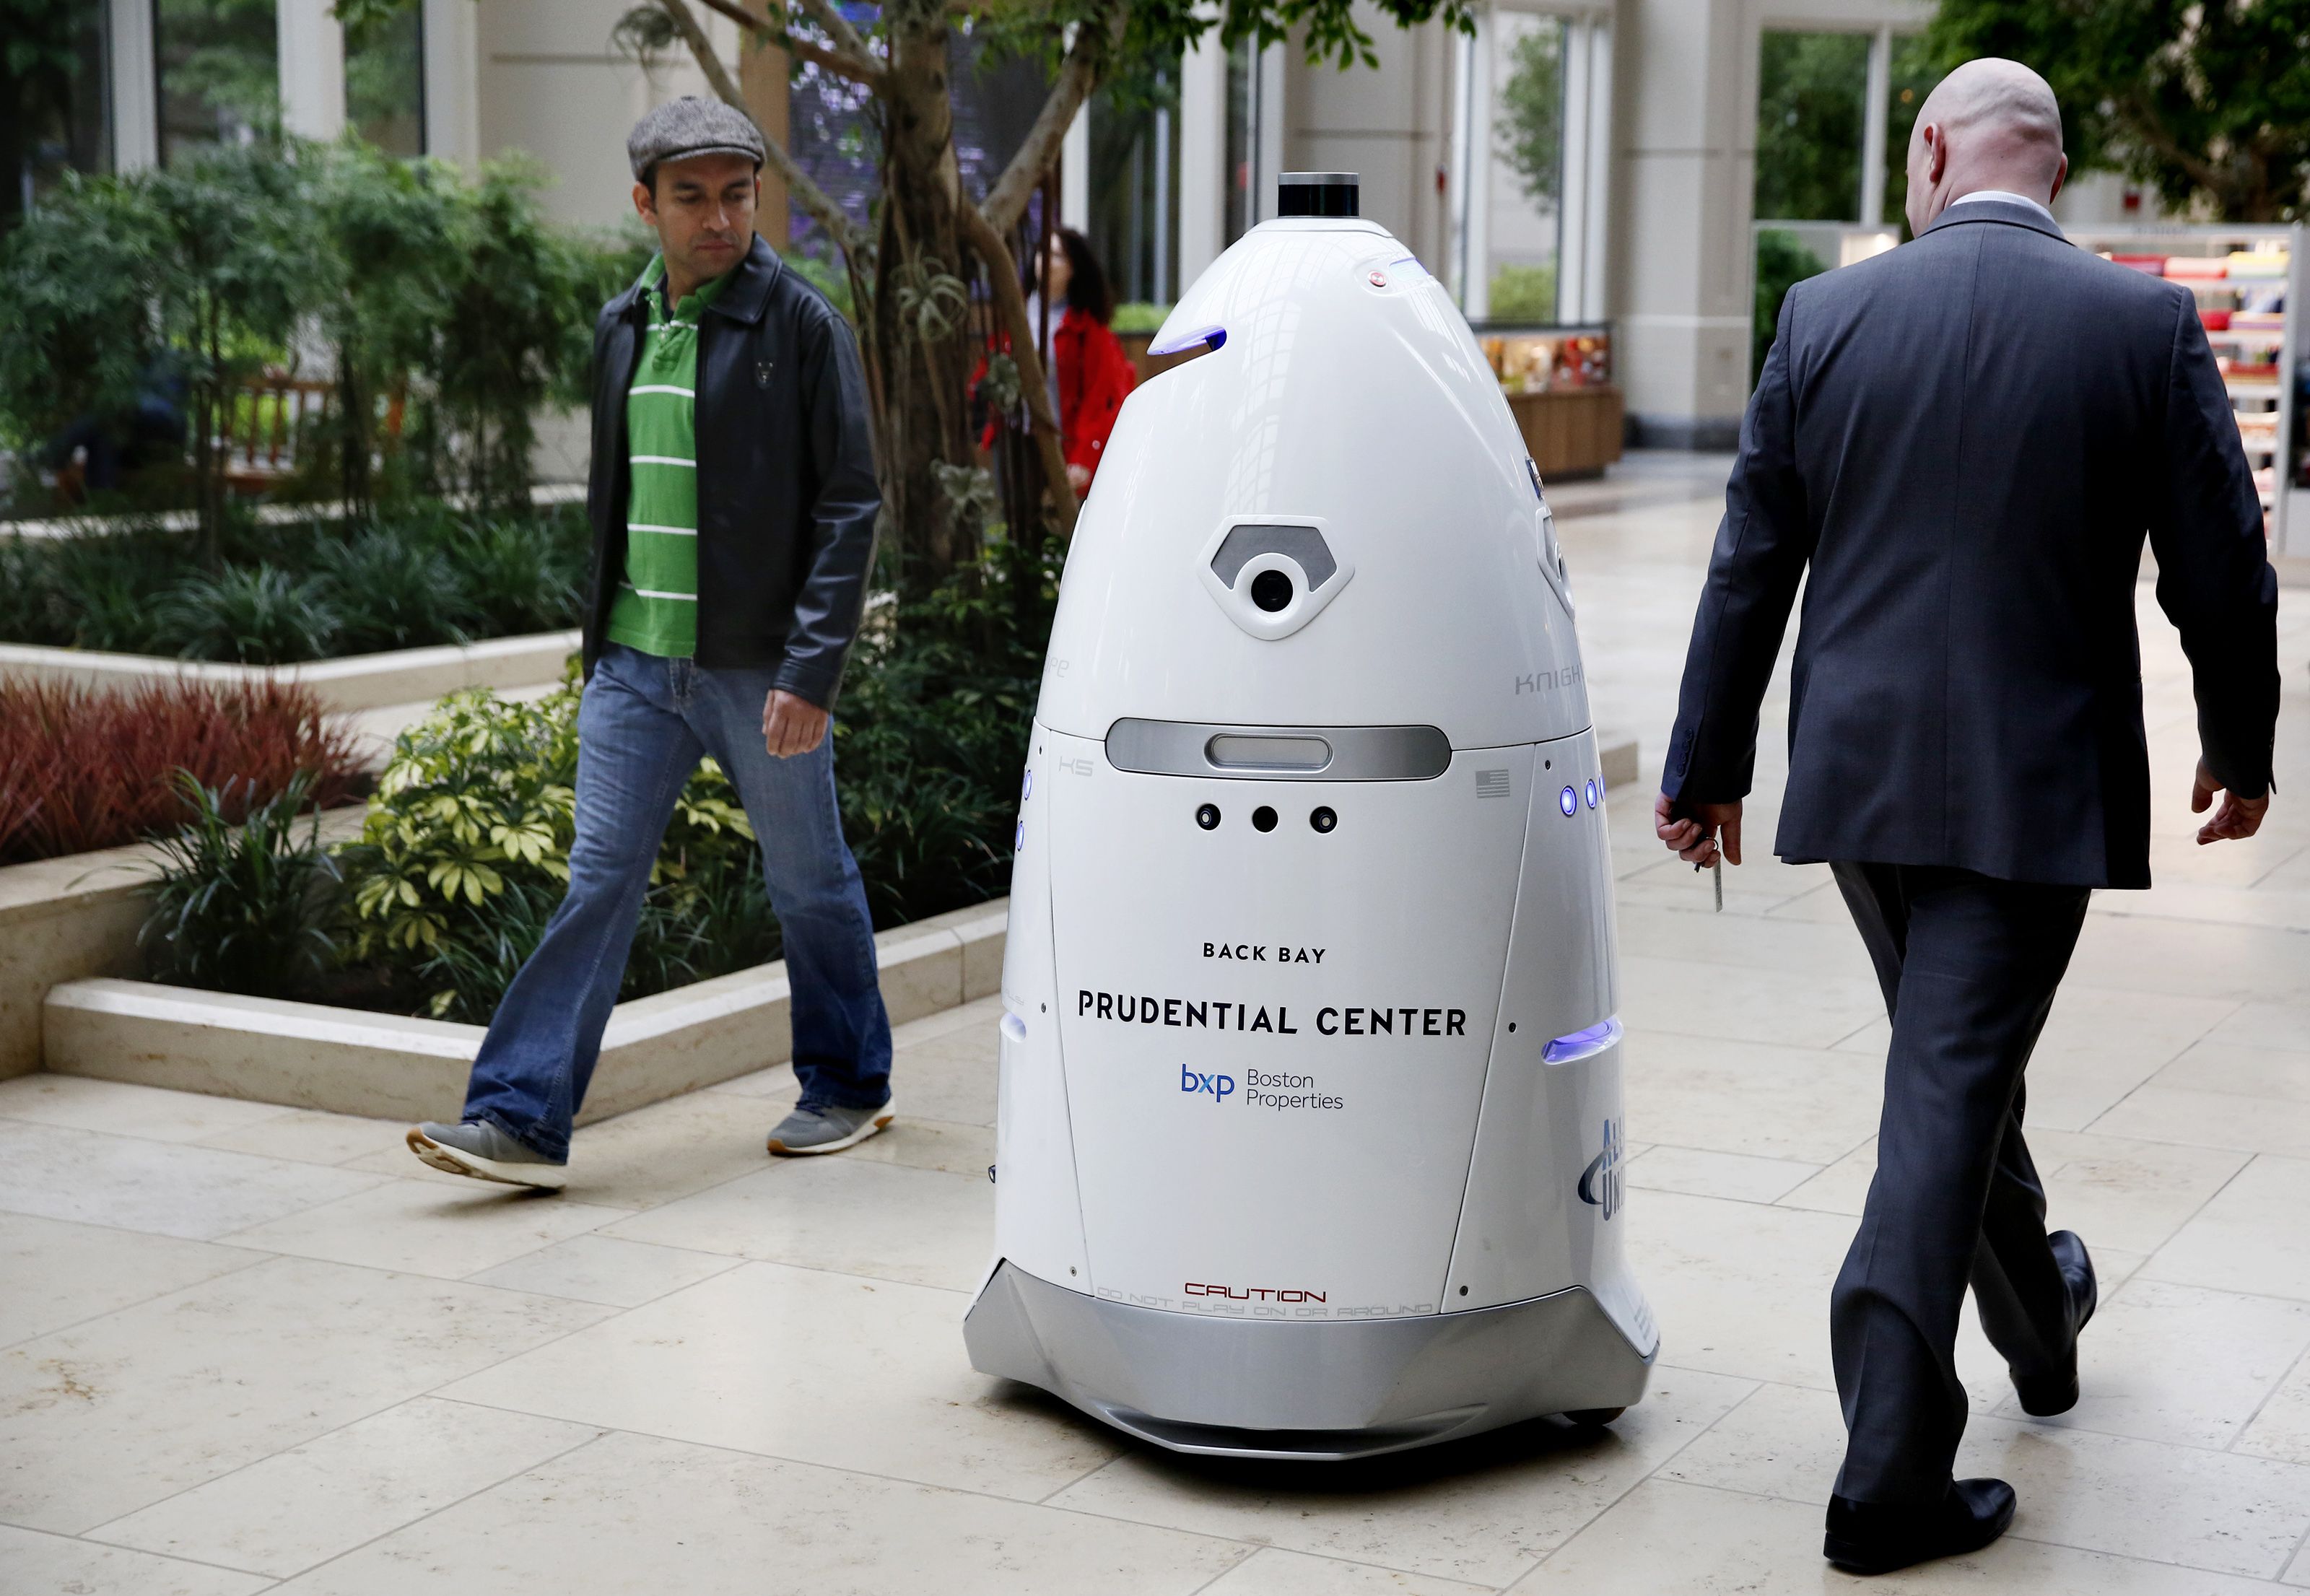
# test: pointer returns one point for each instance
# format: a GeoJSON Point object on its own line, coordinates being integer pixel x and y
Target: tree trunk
{"type": "Point", "coordinates": [922, 308]}
{"type": "Point", "coordinates": [917, 331]}
{"type": "Point", "coordinates": [206, 465]}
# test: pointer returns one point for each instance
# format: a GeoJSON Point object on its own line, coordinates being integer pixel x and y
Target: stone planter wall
{"type": "Point", "coordinates": [357, 682]}
{"type": "Point", "coordinates": [75, 918]}
{"type": "Point", "coordinates": [344, 1061]}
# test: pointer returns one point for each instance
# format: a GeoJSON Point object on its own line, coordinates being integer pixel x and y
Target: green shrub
{"type": "Point", "coordinates": [932, 734]}
{"type": "Point", "coordinates": [828, 277]}
{"type": "Point", "coordinates": [523, 575]}
{"type": "Point", "coordinates": [453, 295]}
{"type": "Point", "coordinates": [1139, 315]}
{"type": "Point", "coordinates": [256, 615]}
{"type": "Point", "coordinates": [1523, 294]}
{"type": "Point", "coordinates": [419, 574]}
{"type": "Point", "coordinates": [465, 853]}
{"type": "Point", "coordinates": [389, 589]}
{"type": "Point", "coordinates": [24, 591]}
{"type": "Point", "coordinates": [100, 588]}
{"type": "Point", "coordinates": [1782, 261]}
{"type": "Point", "coordinates": [241, 907]}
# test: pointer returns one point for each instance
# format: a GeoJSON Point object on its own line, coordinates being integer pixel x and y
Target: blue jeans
{"type": "Point", "coordinates": [642, 726]}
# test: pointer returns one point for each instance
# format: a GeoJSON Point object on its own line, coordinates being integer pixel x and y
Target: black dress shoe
{"type": "Point", "coordinates": [2055, 1391]}
{"type": "Point", "coordinates": [1879, 1537]}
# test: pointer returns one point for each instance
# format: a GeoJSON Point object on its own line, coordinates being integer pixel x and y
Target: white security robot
{"type": "Point", "coordinates": [1310, 1129]}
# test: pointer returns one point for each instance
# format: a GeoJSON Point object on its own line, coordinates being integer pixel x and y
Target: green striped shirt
{"type": "Point", "coordinates": [656, 607]}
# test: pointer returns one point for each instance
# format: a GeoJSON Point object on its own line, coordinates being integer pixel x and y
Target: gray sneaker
{"type": "Point", "coordinates": [479, 1148]}
{"type": "Point", "coordinates": [823, 1128]}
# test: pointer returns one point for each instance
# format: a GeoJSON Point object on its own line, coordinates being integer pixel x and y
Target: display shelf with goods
{"type": "Point", "coordinates": [1558, 381]}
{"type": "Point", "coordinates": [2242, 278]}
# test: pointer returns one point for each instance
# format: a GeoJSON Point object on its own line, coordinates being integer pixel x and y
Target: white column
{"type": "Point", "coordinates": [1202, 156]}
{"type": "Point", "coordinates": [135, 85]}
{"type": "Point", "coordinates": [451, 30]}
{"type": "Point", "coordinates": [1596, 209]}
{"type": "Point", "coordinates": [1879, 103]}
{"type": "Point", "coordinates": [1074, 172]}
{"type": "Point", "coordinates": [1475, 179]}
{"type": "Point", "coordinates": [1679, 294]}
{"type": "Point", "coordinates": [1459, 200]}
{"type": "Point", "coordinates": [1572, 196]}
{"type": "Point", "coordinates": [1162, 289]}
{"type": "Point", "coordinates": [312, 70]}
{"type": "Point", "coordinates": [1267, 120]}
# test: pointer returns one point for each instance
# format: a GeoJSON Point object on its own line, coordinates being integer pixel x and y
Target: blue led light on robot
{"type": "Point", "coordinates": [1212, 336]}
{"type": "Point", "coordinates": [1019, 838]}
{"type": "Point", "coordinates": [1026, 787]}
{"type": "Point", "coordinates": [1592, 794]}
{"type": "Point", "coordinates": [1569, 802]}
{"type": "Point", "coordinates": [1582, 1045]}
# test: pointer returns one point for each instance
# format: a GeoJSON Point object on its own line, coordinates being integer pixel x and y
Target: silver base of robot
{"type": "Point", "coordinates": [1317, 1392]}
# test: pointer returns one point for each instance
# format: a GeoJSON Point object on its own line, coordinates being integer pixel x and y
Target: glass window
{"type": "Point", "coordinates": [1133, 201]}
{"type": "Point", "coordinates": [1813, 112]}
{"type": "Point", "coordinates": [53, 110]}
{"type": "Point", "coordinates": [385, 80]}
{"type": "Point", "coordinates": [219, 68]}
{"type": "Point", "coordinates": [1242, 138]}
{"type": "Point", "coordinates": [1525, 205]}
{"type": "Point", "coordinates": [1811, 105]}
{"type": "Point", "coordinates": [1913, 76]}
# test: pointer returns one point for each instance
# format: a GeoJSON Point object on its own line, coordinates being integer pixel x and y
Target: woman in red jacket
{"type": "Point", "coordinates": [1093, 372]}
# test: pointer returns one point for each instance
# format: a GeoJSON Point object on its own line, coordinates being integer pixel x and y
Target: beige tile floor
{"type": "Point", "coordinates": [245, 1349]}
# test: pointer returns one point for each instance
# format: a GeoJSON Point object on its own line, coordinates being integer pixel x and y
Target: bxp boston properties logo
{"type": "Point", "coordinates": [1600, 1183]}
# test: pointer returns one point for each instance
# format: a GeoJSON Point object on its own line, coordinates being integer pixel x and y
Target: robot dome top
{"type": "Point", "coordinates": [1328, 518]}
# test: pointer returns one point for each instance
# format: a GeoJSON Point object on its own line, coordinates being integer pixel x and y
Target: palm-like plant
{"type": "Point", "coordinates": [241, 907]}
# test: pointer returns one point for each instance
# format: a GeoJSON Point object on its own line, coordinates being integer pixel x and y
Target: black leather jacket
{"type": "Point", "coordinates": [786, 495]}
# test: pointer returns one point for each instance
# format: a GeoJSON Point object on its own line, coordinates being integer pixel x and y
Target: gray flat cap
{"type": "Point", "coordinates": [688, 127]}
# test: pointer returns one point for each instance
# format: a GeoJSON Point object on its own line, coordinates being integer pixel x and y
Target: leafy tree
{"type": "Point", "coordinates": [205, 265]}
{"type": "Point", "coordinates": [1529, 119]}
{"type": "Point", "coordinates": [229, 264]}
{"type": "Point", "coordinates": [908, 268]}
{"type": "Point", "coordinates": [450, 303]}
{"type": "Point", "coordinates": [1522, 293]}
{"type": "Point", "coordinates": [1782, 263]}
{"type": "Point", "coordinates": [516, 322]}
{"type": "Point", "coordinates": [394, 257]}
{"type": "Point", "coordinates": [2206, 101]}
{"type": "Point", "coordinates": [1915, 70]}
{"type": "Point", "coordinates": [78, 338]}
{"type": "Point", "coordinates": [1811, 94]}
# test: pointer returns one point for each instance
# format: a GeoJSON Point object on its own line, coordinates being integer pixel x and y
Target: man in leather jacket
{"type": "Point", "coordinates": [732, 499]}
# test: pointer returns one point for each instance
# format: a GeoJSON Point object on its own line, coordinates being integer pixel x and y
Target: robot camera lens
{"type": "Point", "coordinates": [1270, 590]}
{"type": "Point", "coordinates": [1323, 820]}
{"type": "Point", "coordinates": [1263, 818]}
{"type": "Point", "coordinates": [1208, 817]}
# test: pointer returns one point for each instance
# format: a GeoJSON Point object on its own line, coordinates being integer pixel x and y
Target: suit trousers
{"type": "Point", "coordinates": [1969, 966]}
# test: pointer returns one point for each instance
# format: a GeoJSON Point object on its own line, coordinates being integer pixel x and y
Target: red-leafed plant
{"type": "Point", "coordinates": [83, 768]}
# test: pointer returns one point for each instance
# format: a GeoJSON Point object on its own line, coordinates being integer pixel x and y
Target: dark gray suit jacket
{"type": "Point", "coordinates": [1967, 437]}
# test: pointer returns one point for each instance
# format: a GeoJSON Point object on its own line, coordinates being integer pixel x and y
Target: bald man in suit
{"type": "Point", "coordinates": [1965, 441]}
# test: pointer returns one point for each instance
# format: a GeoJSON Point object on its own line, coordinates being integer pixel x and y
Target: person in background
{"type": "Point", "coordinates": [110, 448]}
{"type": "Point", "coordinates": [1956, 446]}
{"type": "Point", "coordinates": [1092, 373]}
{"type": "Point", "coordinates": [733, 502]}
